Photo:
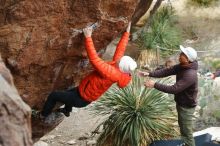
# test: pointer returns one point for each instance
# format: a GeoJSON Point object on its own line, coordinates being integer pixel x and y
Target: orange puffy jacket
{"type": "Point", "coordinates": [105, 74]}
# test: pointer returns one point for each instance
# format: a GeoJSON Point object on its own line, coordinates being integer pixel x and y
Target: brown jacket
{"type": "Point", "coordinates": [217, 73]}
{"type": "Point", "coordinates": [186, 87]}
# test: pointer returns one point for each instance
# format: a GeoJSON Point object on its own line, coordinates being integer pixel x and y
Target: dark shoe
{"type": "Point", "coordinates": [53, 118]}
{"type": "Point", "coordinates": [63, 110]}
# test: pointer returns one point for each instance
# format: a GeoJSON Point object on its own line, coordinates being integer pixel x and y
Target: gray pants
{"type": "Point", "coordinates": [185, 121]}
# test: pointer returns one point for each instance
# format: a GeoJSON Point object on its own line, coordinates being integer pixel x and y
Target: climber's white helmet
{"type": "Point", "coordinates": [127, 64]}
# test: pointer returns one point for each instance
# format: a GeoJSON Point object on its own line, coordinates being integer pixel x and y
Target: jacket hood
{"type": "Point", "coordinates": [194, 65]}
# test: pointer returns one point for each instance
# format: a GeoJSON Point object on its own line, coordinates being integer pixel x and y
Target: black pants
{"type": "Point", "coordinates": [71, 98]}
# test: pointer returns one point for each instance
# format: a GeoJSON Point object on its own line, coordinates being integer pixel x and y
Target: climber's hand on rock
{"type": "Point", "coordinates": [87, 31]}
{"type": "Point", "coordinates": [129, 26]}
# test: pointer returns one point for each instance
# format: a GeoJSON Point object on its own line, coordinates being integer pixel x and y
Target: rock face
{"type": "Point", "coordinates": [15, 115]}
{"type": "Point", "coordinates": [42, 44]}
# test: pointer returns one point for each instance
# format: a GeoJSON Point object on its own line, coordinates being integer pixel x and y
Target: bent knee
{"type": "Point", "coordinates": [52, 95]}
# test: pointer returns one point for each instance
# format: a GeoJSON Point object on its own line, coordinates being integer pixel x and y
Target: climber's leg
{"type": "Point", "coordinates": [56, 96]}
{"type": "Point", "coordinates": [77, 100]}
{"type": "Point", "coordinates": [70, 98]}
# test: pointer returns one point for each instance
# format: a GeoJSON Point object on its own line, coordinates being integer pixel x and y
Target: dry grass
{"type": "Point", "coordinates": [184, 9]}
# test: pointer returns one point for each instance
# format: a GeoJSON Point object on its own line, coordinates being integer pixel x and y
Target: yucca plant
{"type": "Point", "coordinates": [162, 33]}
{"type": "Point", "coordinates": [135, 115]}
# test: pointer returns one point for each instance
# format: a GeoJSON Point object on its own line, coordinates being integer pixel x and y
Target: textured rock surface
{"type": "Point", "coordinates": [15, 115]}
{"type": "Point", "coordinates": [40, 46]}
{"type": "Point", "coordinates": [41, 43]}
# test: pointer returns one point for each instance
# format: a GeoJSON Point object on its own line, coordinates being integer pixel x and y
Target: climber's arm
{"type": "Point", "coordinates": [105, 69]}
{"type": "Point", "coordinates": [122, 44]}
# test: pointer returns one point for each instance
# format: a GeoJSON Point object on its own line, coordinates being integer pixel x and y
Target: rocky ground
{"type": "Point", "coordinates": [75, 130]}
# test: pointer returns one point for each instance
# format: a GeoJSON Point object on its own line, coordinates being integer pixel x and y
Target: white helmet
{"type": "Point", "coordinates": [127, 64]}
{"type": "Point", "coordinates": [189, 52]}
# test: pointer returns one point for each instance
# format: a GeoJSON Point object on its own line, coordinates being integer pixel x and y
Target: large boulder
{"type": "Point", "coordinates": [42, 44]}
{"type": "Point", "coordinates": [15, 115]}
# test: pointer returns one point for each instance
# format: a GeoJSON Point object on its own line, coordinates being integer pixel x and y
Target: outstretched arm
{"type": "Point", "coordinates": [160, 73]}
{"type": "Point", "coordinates": [100, 65]}
{"type": "Point", "coordinates": [122, 44]}
{"type": "Point", "coordinates": [185, 82]}
{"type": "Point", "coordinates": [164, 72]}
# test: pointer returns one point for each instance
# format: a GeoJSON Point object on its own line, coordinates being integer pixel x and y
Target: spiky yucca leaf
{"type": "Point", "coordinates": [135, 115]}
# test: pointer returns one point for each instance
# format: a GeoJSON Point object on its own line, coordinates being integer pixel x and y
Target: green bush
{"type": "Point", "coordinates": [205, 91]}
{"type": "Point", "coordinates": [135, 115]}
{"type": "Point", "coordinates": [162, 33]}
{"type": "Point", "coordinates": [216, 64]}
{"type": "Point", "coordinates": [209, 114]}
{"type": "Point", "coordinates": [216, 114]}
{"type": "Point", "coordinates": [205, 3]}
{"type": "Point", "coordinates": [212, 63]}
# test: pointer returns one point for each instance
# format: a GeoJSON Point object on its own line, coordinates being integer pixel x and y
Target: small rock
{"type": "Point", "coordinates": [88, 134]}
{"type": "Point", "coordinates": [75, 110]}
{"type": "Point", "coordinates": [85, 136]}
{"type": "Point", "coordinates": [12, 62]}
{"type": "Point", "coordinates": [71, 142]}
{"type": "Point", "coordinates": [40, 143]}
{"type": "Point", "coordinates": [62, 142]}
{"type": "Point", "coordinates": [91, 142]}
{"type": "Point", "coordinates": [48, 137]}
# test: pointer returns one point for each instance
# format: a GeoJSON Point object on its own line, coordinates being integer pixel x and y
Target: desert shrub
{"type": "Point", "coordinates": [135, 115]}
{"type": "Point", "coordinates": [162, 33]}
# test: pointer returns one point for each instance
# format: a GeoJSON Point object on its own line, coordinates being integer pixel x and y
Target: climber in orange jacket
{"type": "Point", "coordinates": [97, 82]}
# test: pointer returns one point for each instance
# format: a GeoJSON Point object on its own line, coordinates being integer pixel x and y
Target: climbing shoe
{"type": "Point", "coordinates": [53, 118]}
{"type": "Point", "coordinates": [63, 110]}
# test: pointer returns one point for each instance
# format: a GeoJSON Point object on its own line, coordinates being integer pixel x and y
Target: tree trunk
{"type": "Point", "coordinates": [152, 12]}
{"type": "Point", "coordinates": [141, 9]}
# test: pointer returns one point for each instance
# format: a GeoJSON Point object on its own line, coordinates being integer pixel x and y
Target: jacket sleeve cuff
{"type": "Point", "coordinates": [151, 75]}
{"type": "Point", "coordinates": [88, 38]}
{"type": "Point", "coordinates": [157, 85]}
{"type": "Point", "coordinates": [126, 33]}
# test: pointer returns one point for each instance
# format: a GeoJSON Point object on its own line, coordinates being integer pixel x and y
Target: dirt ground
{"type": "Point", "coordinates": [203, 22]}
{"type": "Point", "coordinates": [75, 129]}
